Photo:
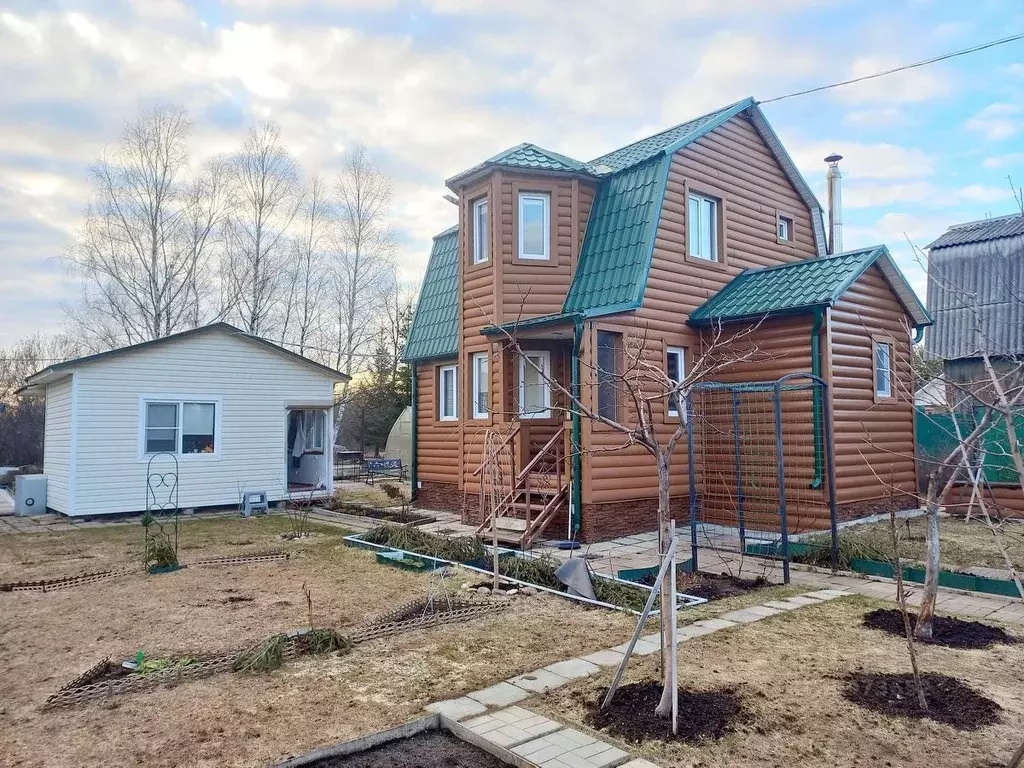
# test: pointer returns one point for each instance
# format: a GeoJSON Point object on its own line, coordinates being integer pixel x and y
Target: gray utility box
{"type": "Point", "coordinates": [30, 495]}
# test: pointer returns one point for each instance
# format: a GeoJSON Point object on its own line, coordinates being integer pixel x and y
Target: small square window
{"type": "Point", "coordinates": [703, 228]}
{"type": "Point", "coordinates": [448, 401]}
{"type": "Point", "coordinates": [481, 232]}
{"type": "Point", "coordinates": [785, 229]}
{"type": "Point", "coordinates": [883, 369]}
{"type": "Point", "coordinates": [534, 225]}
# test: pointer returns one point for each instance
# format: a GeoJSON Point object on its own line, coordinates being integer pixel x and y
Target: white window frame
{"type": "Point", "coordinates": [441, 415]}
{"type": "Point", "coordinates": [545, 198]}
{"type": "Point", "coordinates": [180, 400]}
{"type": "Point", "coordinates": [481, 245]}
{"type": "Point", "coordinates": [476, 359]}
{"type": "Point", "coordinates": [788, 223]}
{"type": "Point", "coordinates": [679, 352]}
{"type": "Point", "coordinates": [880, 392]}
{"type": "Point", "coordinates": [545, 367]}
{"type": "Point", "coordinates": [697, 227]}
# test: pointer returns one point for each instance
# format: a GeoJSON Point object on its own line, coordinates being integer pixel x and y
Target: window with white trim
{"type": "Point", "coordinates": [181, 427]}
{"type": "Point", "coordinates": [481, 232]}
{"type": "Point", "coordinates": [883, 369]}
{"type": "Point", "coordinates": [448, 398]}
{"type": "Point", "coordinates": [534, 225]}
{"type": "Point", "coordinates": [609, 349]}
{"type": "Point", "coordinates": [675, 369]}
{"type": "Point", "coordinates": [785, 228]}
{"type": "Point", "coordinates": [534, 385]}
{"type": "Point", "coordinates": [703, 227]}
{"type": "Point", "coordinates": [481, 387]}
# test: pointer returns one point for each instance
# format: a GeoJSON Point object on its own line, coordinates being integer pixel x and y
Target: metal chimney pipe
{"type": "Point", "coordinates": [835, 204]}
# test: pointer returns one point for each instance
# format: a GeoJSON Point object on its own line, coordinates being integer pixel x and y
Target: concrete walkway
{"type": "Point", "coordinates": [499, 712]}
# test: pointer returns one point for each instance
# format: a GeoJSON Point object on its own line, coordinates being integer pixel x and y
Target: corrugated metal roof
{"type": "Point", "coordinates": [435, 325]}
{"type": "Point", "coordinates": [980, 231]}
{"type": "Point", "coordinates": [616, 253]}
{"type": "Point", "coordinates": [525, 156]}
{"type": "Point", "coordinates": [976, 294]}
{"type": "Point", "coordinates": [802, 285]}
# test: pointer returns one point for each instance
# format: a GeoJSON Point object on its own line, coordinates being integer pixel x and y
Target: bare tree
{"type": "Point", "coordinates": [146, 235]}
{"type": "Point", "coordinates": [307, 270]}
{"type": "Point", "coordinates": [264, 201]}
{"type": "Point", "coordinates": [364, 250]}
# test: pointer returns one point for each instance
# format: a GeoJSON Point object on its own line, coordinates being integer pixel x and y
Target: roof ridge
{"type": "Point", "coordinates": [816, 260]}
{"type": "Point", "coordinates": [989, 220]}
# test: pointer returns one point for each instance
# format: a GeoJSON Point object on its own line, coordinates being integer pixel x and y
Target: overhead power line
{"type": "Point", "coordinates": [905, 67]}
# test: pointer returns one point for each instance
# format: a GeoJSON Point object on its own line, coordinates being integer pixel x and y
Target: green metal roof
{"type": "Point", "coordinates": [527, 157]}
{"type": "Point", "coordinates": [803, 285]}
{"type": "Point", "coordinates": [435, 325]}
{"type": "Point", "coordinates": [617, 249]}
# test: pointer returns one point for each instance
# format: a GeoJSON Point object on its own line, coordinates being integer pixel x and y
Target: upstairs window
{"type": "Point", "coordinates": [481, 387]}
{"type": "Point", "coordinates": [675, 362]}
{"type": "Point", "coordinates": [534, 225]}
{"type": "Point", "coordinates": [481, 232]}
{"type": "Point", "coordinates": [608, 350]}
{"type": "Point", "coordinates": [179, 427]}
{"type": "Point", "coordinates": [785, 229]}
{"type": "Point", "coordinates": [703, 228]}
{"type": "Point", "coordinates": [883, 369]}
{"type": "Point", "coordinates": [448, 401]}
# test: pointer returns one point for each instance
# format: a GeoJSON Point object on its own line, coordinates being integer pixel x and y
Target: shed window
{"type": "Point", "coordinates": [534, 385]}
{"type": "Point", "coordinates": [481, 387]}
{"type": "Point", "coordinates": [703, 227]}
{"type": "Point", "coordinates": [534, 225]}
{"type": "Point", "coordinates": [785, 228]}
{"type": "Point", "coordinates": [448, 405]}
{"type": "Point", "coordinates": [481, 232]}
{"type": "Point", "coordinates": [675, 361]}
{"type": "Point", "coordinates": [883, 369]}
{"type": "Point", "coordinates": [182, 427]}
{"type": "Point", "coordinates": [608, 350]}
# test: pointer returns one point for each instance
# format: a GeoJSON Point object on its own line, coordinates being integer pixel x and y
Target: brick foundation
{"type": "Point", "coordinates": [445, 497]}
{"type": "Point", "coordinates": [622, 518]}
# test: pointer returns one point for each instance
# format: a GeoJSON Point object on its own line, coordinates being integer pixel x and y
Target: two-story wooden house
{"type": "Point", "coordinates": [706, 224]}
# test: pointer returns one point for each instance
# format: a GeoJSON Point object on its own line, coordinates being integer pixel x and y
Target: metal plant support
{"type": "Point", "coordinates": [161, 518]}
{"type": "Point", "coordinates": [761, 469]}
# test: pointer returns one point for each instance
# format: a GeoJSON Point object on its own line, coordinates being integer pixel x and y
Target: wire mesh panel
{"type": "Point", "coordinates": [761, 469]}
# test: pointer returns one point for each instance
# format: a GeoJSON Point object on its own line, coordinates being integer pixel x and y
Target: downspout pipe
{"type": "Point", "coordinates": [918, 334]}
{"type": "Point", "coordinates": [576, 491]}
{"type": "Point", "coordinates": [819, 447]}
{"type": "Point", "coordinates": [414, 459]}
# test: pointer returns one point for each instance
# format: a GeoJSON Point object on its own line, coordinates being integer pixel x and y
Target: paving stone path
{"type": "Point", "coordinates": [496, 713]}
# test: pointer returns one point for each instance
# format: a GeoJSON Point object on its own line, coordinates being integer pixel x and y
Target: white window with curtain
{"type": "Point", "coordinates": [535, 225]}
{"type": "Point", "coordinates": [481, 232]}
{"type": "Point", "coordinates": [481, 386]}
{"type": "Point", "coordinates": [703, 227]}
{"type": "Point", "coordinates": [675, 362]}
{"type": "Point", "coordinates": [186, 427]}
{"type": "Point", "coordinates": [448, 398]}
{"type": "Point", "coordinates": [534, 385]}
{"type": "Point", "coordinates": [883, 369]}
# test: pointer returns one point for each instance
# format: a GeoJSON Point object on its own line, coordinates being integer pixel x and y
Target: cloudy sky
{"type": "Point", "coordinates": [434, 86]}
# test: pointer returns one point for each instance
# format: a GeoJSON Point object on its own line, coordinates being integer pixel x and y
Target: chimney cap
{"type": "Point", "coordinates": [833, 158]}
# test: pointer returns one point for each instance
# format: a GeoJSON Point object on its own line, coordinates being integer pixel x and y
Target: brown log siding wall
{"type": "Point", "coordinates": [874, 440]}
{"type": "Point", "coordinates": [438, 445]}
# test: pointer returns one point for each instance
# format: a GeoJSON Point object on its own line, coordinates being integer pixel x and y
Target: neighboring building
{"type": "Point", "coordinates": [238, 413]}
{"type": "Point", "coordinates": [932, 396]}
{"type": "Point", "coordinates": [707, 222]}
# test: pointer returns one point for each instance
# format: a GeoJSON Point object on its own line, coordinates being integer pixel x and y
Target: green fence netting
{"type": "Point", "coordinates": [937, 438]}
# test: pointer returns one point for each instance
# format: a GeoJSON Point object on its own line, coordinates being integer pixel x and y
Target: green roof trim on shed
{"type": "Point", "coordinates": [803, 285]}
{"type": "Point", "coordinates": [435, 324]}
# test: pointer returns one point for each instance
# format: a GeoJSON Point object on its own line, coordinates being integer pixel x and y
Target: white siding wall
{"type": "Point", "coordinates": [254, 386]}
{"type": "Point", "coordinates": [57, 446]}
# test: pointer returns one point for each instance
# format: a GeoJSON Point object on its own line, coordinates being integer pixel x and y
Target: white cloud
{"type": "Point", "coordinates": [906, 87]}
{"type": "Point", "coordinates": [922, 194]}
{"type": "Point", "coordinates": [864, 161]}
{"type": "Point", "coordinates": [997, 122]}
{"type": "Point", "coordinates": [1004, 161]}
{"type": "Point", "coordinates": [877, 118]}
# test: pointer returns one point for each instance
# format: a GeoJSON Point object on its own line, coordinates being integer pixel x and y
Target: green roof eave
{"type": "Point", "coordinates": [435, 324]}
{"type": "Point", "coordinates": [533, 323]}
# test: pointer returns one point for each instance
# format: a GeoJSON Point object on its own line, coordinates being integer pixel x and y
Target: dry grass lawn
{"type": "Point", "coordinates": [788, 669]}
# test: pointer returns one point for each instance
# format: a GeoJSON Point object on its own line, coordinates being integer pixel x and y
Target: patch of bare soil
{"type": "Point", "coordinates": [703, 715]}
{"type": "Point", "coordinates": [715, 586]}
{"type": "Point", "coordinates": [950, 701]}
{"type": "Point", "coordinates": [946, 631]}
{"type": "Point", "coordinates": [435, 749]}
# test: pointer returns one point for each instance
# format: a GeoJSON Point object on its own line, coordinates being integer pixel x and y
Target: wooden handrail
{"type": "Point", "coordinates": [542, 452]}
{"type": "Point", "coordinates": [506, 441]}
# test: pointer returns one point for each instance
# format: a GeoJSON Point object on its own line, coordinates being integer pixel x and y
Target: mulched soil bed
{"type": "Point", "coordinates": [946, 631]}
{"type": "Point", "coordinates": [387, 515]}
{"type": "Point", "coordinates": [703, 715]}
{"type": "Point", "coordinates": [435, 749]}
{"type": "Point", "coordinates": [949, 700]}
{"type": "Point", "coordinates": [715, 586]}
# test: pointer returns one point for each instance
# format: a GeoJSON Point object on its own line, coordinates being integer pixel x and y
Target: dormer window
{"type": "Point", "coordinates": [535, 225]}
{"type": "Point", "coordinates": [481, 232]}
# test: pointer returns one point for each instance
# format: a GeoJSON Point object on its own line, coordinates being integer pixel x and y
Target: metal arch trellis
{"type": "Point", "coordinates": [761, 466]}
{"type": "Point", "coordinates": [162, 511]}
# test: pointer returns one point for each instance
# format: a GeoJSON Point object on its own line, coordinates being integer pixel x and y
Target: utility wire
{"type": "Point", "coordinates": [933, 60]}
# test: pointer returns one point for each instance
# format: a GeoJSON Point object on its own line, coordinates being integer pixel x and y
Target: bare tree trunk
{"type": "Point", "coordinates": [901, 598]}
{"type": "Point", "coordinates": [664, 708]}
{"type": "Point", "coordinates": [930, 590]}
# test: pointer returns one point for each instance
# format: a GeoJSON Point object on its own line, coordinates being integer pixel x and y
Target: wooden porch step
{"type": "Point", "coordinates": [517, 524]}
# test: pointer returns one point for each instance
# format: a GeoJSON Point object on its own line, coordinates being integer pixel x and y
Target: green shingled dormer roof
{"type": "Point", "coordinates": [435, 325]}
{"type": "Point", "coordinates": [804, 285]}
{"type": "Point", "coordinates": [526, 157]}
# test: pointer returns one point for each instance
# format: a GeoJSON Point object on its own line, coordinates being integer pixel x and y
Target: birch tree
{"type": "Point", "coordinates": [264, 201]}
{"type": "Point", "coordinates": [144, 246]}
{"type": "Point", "coordinates": [307, 269]}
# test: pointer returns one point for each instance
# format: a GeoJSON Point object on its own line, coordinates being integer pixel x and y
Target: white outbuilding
{"type": "Point", "coordinates": [198, 418]}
